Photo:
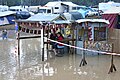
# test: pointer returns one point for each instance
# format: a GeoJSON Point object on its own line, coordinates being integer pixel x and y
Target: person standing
{"type": "Point", "coordinates": [4, 34]}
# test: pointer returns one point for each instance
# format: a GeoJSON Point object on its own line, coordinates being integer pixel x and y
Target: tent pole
{"type": "Point", "coordinates": [83, 61]}
{"type": "Point", "coordinates": [112, 67]}
{"type": "Point", "coordinates": [47, 40]}
{"type": "Point", "coordinates": [18, 39]}
{"type": "Point", "coordinates": [42, 42]}
{"type": "Point", "coordinates": [73, 37]}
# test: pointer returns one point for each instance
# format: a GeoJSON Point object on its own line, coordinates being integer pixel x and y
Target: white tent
{"type": "Point", "coordinates": [113, 10]}
{"type": "Point", "coordinates": [93, 20]}
{"type": "Point", "coordinates": [6, 17]}
{"type": "Point", "coordinates": [55, 3]}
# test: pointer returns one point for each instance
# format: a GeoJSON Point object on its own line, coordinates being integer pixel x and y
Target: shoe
{"type": "Point", "coordinates": [55, 51]}
{"type": "Point", "coordinates": [50, 56]}
{"type": "Point", "coordinates": [59, 55]}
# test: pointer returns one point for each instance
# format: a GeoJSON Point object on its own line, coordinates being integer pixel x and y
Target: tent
{"type": "Point", "coordinates": [83, 12]}
{"type": "Point", "coordinates": [45, 17]}
{"type": "Point", "coordinates": [93, 20]}
{"type": "Point", "coordinates": [6, 17]}
{"type": "Point", "coordinates": [72, 16]}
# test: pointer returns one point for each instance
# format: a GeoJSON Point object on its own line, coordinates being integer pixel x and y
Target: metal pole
{"type": "Point", "coordinates": [18, 38]}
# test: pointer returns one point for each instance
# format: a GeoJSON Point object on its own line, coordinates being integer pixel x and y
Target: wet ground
{"type": "Point", "coordinates": [30, 67]}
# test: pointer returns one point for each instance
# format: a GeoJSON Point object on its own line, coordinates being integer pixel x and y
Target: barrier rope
{"type": "Point", "coordinates": [109, 53]}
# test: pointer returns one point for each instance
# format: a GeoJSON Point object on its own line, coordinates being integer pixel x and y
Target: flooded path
{"type": "Point", "coordinates": [30, 67]}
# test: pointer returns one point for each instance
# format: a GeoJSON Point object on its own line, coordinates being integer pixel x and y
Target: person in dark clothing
{"type": "Point", "coordinates": [53, 36]}
{"type": "Point", "coordinates": [4, 34]}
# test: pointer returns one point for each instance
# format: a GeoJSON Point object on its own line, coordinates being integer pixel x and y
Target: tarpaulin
{"type": "Point", "coordinates": [113, 19]}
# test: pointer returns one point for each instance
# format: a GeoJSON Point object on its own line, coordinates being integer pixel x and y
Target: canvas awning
{"type": "Point", "coordinates": [113, 18]}
{"type": "Point", "coordinates": [45, 17]}
{"type": "Point", "coordinates": [62, 22]}
{"type": "Point", "coordinates": [38, 20]}
{"type": "Point", "coordinates": [6, 13]}
{"type": "Point", "coordinates": [112, 15]}
{"type": "Point", "coordinates": [93, 20]}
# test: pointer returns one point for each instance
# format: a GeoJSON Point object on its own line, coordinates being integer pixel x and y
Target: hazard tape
{"type": "Point", "coordinates": [109, 53]}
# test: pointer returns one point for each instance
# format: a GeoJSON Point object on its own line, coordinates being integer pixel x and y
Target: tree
{"type": "Point", "coordinates": [11, 2]}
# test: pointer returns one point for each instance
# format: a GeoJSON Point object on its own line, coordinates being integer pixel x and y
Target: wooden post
{"type": "Point", "coordinates": [83, 61]}
{"type": "Point", "coordinates": [18, 38]}
{"type": "Point", "coordinates": [112, 67]}
{"type": "Point", "coordinates": [47, 39]}
{"type": "Point", "coordinates": [73, 40]}
{"type": "Point", "coordinates": [73, 27]}
{"type": "Point", "coordinates": [76, 28]}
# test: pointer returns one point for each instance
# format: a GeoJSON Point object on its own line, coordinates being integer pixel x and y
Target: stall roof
{"type": "Point", "coordinates": [62, 22]}
{"type": "Point", "coordinates": [6, 13]}
{"type": "Point", "coordinates": [44, 17]}
{"type": "Point", "coordinates": [93, 20]}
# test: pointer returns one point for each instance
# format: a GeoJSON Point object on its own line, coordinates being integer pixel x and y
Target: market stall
{"type": "Point", "coordinates": [42, 25]}
{"type": "Point", "coordinates": [91, 30]}
{"type": "Point", "coordinates": [113, 15]}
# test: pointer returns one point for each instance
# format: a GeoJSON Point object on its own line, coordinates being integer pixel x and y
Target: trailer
{"type": "Point", "coordinates": [58, 7]}
{"type": "Point", "coordinates": [105, 6]}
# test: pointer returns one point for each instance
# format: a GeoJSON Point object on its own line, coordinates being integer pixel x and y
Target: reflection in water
{"type": "Point", "coordinates": [28, 66]}
{"type": "Point", "coordinates": [43, 69]}
{"type": "Point", "coordinates": [9, 61]}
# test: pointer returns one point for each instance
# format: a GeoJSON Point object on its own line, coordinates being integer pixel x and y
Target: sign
{"type": "Point", "coordinates": [100, 46]}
